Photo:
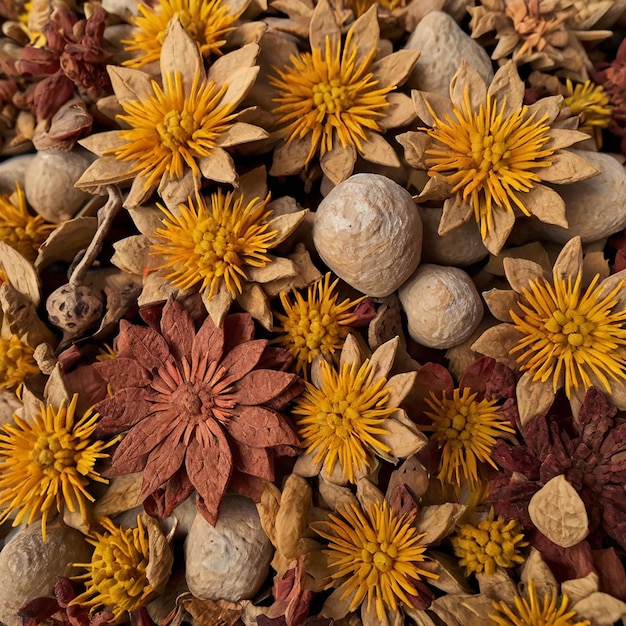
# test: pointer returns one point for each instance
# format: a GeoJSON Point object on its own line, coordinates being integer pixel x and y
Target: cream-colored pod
{"type": "Point", "coordinates": [442, 306]}
{"type": "Point", "coordinates": [369, 232]}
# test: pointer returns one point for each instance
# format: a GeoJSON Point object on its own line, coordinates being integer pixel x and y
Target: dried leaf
{"type": "Point", "coordinates": [438, 521]}
{"type": "Point", "coordinates": [121, 495]}
{"type": "Point", "coordinates": [160, 557]}
{"type": "Point", "coordinates": [291, 518]}
{"type": "Point", "coordinates": [66, 240]}
{"type": "Point", "coordinates": [20, 273]}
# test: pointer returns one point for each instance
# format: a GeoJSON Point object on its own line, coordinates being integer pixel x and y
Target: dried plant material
{"type": "Point", "coordinates": [291, 517]}
{"type": "Point", "coordinates": [352, 414]}
{"type": "Point", "coordinates": [568, 335]}
{"type": "Point", "coordinates": [524, 134]}
{"type": "Point", "coordinates": [201, 409]}
{"type": "Point", "coordinates": [190, 98]}
{"type": "Point", "coordinates": [600, 609]}
{"type": "Point", "coordinates": [559, 513]}
{"type": "Point", "coordinates": [210, 612]}
{"type": "Point", "coordinates": [438, 521]}
{"type": "Point", "coordinates": [160, 557]}
{"type": "Point", "coordinates": [121, 495]}
{"type": "Point", "coordinates": [66, 240]}
{"type": "Point", "coordinates": [463, 609]}
{"type": "Point", "coordinates": [333, 101]}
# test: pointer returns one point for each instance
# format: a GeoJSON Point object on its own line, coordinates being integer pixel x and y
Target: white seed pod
{"type": "Point", "coordinates": [442, 306]}
{"type": "Point", "coordinates": [231, 560]}
{"type": "Point", "coordinates": [29, 567]}
{"type": "Point", "coordinates": [369, 232]}
{"type": "Point", "coordinates": [49, 183]}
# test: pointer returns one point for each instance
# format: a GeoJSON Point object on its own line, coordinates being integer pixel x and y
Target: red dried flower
{"type": "Point", "coordinates": [201, 409]}
{"type": "Point", "coordinates": [592, 460]}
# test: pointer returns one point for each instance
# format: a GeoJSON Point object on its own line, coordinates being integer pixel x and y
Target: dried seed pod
{"type": "Point", "coordinates": [369, 232]}
{"type": "Point", "coordinates": [442, 306]}
{"type": "Point", "coordinates": [74, 308]}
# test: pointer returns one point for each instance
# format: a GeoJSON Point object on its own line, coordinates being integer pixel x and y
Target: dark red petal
{"type": "Point", "coordinates": [208, 342]}
{"type": "Point", "coordinates": [259, 427]}
{"type": "Point", "coordinates": [243, 358]}
{"type": "Point", "coordinates": [477, 375]}
{"type": "Point", "coordinates": [209, 466]}
{"type": "Point", "coordinates": [247, 485]}
{"type": "Point", "coordinates": [162, 502]}
{"type": "Point", "coordinates": [275, 359]}
{"type": "Point", "coordinates": [145, 344]}
{"type": "Point", "coordinates": [123, 372]}
{"type": "Point", "coordinates": [611, 572]}
{"type": "Point", "coordinates": [238, 328]}
{"type": "Point", "coordinates": [39, 609]}
{"type": "Point", "coordinates": [123, 410]}
{"type": "Point", "coordinates": [261, 386]}
{"type": "Point", "coordinates": [178, 329]}
{"type": "Point", "coordinates": [254, 461]}
{"type": "Point", "coordinates": [163, 462]}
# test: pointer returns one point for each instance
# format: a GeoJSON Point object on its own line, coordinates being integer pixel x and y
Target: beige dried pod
{"type": "Point", "coordinates": [442, 306]}
{"type": "Point", "coordinates": [229, 561]}
{"type": "Point", "coordinates": [49, 183]}
{"type": "Point", "coordinates": [369, 232]}
{"type": "Point", "coordinates": [29, 566]}
{"type": "Point", "coordinates": [559, 513]}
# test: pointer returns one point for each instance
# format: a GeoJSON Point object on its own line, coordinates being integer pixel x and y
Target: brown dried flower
{"type": "Point", "coordinates": [201, 409]}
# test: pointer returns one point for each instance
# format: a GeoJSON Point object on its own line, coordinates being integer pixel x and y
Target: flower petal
{"type": "Point", "coordinates": [238, 328]}
{"type": "Point", "coordinates": [364, 34]}
{"type": "Point", "coordinates": [501, 302]}
{"type": "Point", "coordinates": [259, 386]}
{"type": "Point", "coordinates": [222, 68]}
{"type": "Point", "coordinates": [467, 76]}
{"type": "Point", "coordinates": [208, 342]}
{"type": "Point", "coordinates": [338, 163]}
{"type": "Point", "coordinates": [243, 358]}
{"type": "Point", "coordinates": [567, 167]}
{"type": "Point", "coordinates": [570, 260]}
{"type": "Point", "coordinates": [399, 387]}
{"type": "Point", "coordinates": [259, 427]}
{"type": "Point", "coordinates": [146, 345]}
{"type": "Point", "coordinates": [323, 25]}
{"type": "Point", "coordinates": [376, 150]}
{"type": "Point", "coordinates": [503, 222]}
{"type": "Point", "coordinates": [394, 69]}
{"type": "Point", "coordinates": [546, 205]}
{"type": "Point", "coordinates": [163, 462]}
{"type": "Point", "coordinates": [533, 398]}
{"type": "Point", "coordinates": [180, 53]}
{"type": "Point", "coordinates": [382, 360]}
{"type": "Point", "coordinates": [129, 84]}
{"type": "Point", "coordinates": [415, 145]}
{"type": "Point", "coordinates": [218, 167]}
{"type": "Point", "coordinates": [508, 88]}
{"type": "Point", "coordinates": [404, 439]}
{"type": "Point", "coordinates": [241, 132]}
{"type": "Point", "coordinates": [253, 461]}
{"type": "Point", "coordinates": [123, 410]}
{"type": "Point", "coordinates": [441, 106]}
{"type": "Point", "coordinates": [456, 212]}
{"type": "Point", "coordinates": [291, 156]}
{"type": "Point", "coordinates": [497, 341]}
{"type": "Point", "coordinates": [519, 272]}
{"type": "Point", "coordinates": [123, 372]}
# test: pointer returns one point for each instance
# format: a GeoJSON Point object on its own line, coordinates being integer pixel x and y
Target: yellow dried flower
{"type": "Point", "coordinates": [171, 128]}
{"type": "Point", "coordinates": [16, 362]}
{"type": "Point", "coordinates": [466, 430]}
{"type": "Point", "coordinates": [214, 246]}
{"type": "Point", "coordinates": [489, 156]}
{"type": "Point", "coordinates": [571, 334]}
{"type": "Point", "coordinates": [46, 466]}
{"type": "Point", "coordinates": [375, 555]}
{"type": "Point", "coordinates": [206, 22]}
{"type": "Point", "coordinates": [106, 352]}
{"type": "Point", "coordinates": [340, 421]}
{"type": "Point", "coordinates": [116, 576]}
{"type": "Point", "coordinates": [19, 228]}
{"type": "Point", "coordinates": [489, 544]}
{"type": "Point", "coordinates": [530, 611]}
{"type": "Point", "coordinates": [592, 105]}
{"type": "Point", "coordinates": [317, 325]}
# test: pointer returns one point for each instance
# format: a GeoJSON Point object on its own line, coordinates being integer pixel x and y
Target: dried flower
{"type": "Point", "coordinates": [177, 132]}
{"type": "Point", "coordinates": [16, 362]}
{"type": "Point", "coordinates": [347, 418]}
{"type": "Point", "coordinates": [333, 100]}
{"type": "Point", "coordinates": [561, 336]}
{"type": "Point", "coordinates": [46, 466]}
{"type": "Point", "coordinates": [592, 106]}
{"type": "Point", "coordinates": [116, 577]}
{"type": "Point", "coordinates": [317, 325]}
{"type": "Point", "coordinates": [207, 23]}
{"type": "Point", "coordinates": [201, 409]}
{"type": "Point", "coordinates": [530, 611]}
{"type": "Point", "coordinates": [19, 228]}
{"type": "Point", "coordinates": [374, 554]}
{"type": "Point", "coordinates": [489, 544]}
{"type": "Point", "coordinates": [106, 352]}
{"type": "Point", "coordinates": [487, 154]}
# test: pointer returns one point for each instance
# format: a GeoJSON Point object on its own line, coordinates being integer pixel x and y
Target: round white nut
{"type": "Point", "coordinates": [442, 306]}
{"type": "Point", "coordinates": [49, 183]}
{"type": "Point", "coordinates": [228, 562]}
{"type": "Point", "coordinates": [369, 232]}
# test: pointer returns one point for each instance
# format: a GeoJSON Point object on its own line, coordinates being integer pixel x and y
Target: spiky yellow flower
{"type": "Point", "coordinates": [489, 157]}
{"type": "Point", "coordinates": [317, 325]}
{"type": "Point", "coordinates": [20, 229]}
{"type": "Point", "coordinates": [330, 96]}
{"type": "Point", "coordinates": [16, 362]}
{"type": "Point", "coordinates": [47, 465]}
{"type": "Point", "coordinates": [206, 22]}
{"type": "Point", "coordinates": [490, 544]}
{"type": "Point", "coordinates": [341, 420]}
{"type": "Point", "coordinates": [572, 334]}
{"type": "Point", "coordinates": [592, 105]}
{"type": "Point", "coordinates": [171, 128]}
{"type": "Point", "coordinates": [375, 554]}
{"type": "Point", "coordinates": [360, 7]}
{"type": "Point", "coordinates": [530, 611]}
{"type": "Point", "coordinates": [466, 430]}
{"type": "Point", "coordinates": [106, 352]}
{"type": "Point", "coordinates": [210, 246]}
{"type": "Point", "coordinates": [116, 576]}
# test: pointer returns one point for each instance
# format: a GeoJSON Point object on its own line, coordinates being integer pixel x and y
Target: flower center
{"type": "Point", "coordinates": [570, 328]}
{"type": "Point", "coordinates": [193, 401]}
{"type": "Point", "coordinates": [331, 97]}
{"type": "Point", "coordinates": [217, 246]}
{"type": "Point", "coordinates": [53, 453]}
{"type": "Point", "coordinates": [176, 129]}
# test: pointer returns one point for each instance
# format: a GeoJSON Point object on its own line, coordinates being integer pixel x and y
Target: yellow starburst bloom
{"type": "Point", "coordinates": [466, 430]}
{"type": "Point", "coordinates": [171, 128]}
{"type": "Point", "coordinates": [116, 576]}
{"type": "Point", "coordinates": [489, 544]}
{"type": "Point", "coordinates": [489, 156]}
{"type": "Point", "coordinates": [341, 421]}
{"type": "Point", "coordinates": [207, 23]}
{"type": "Point", "coordinates": [374, 555]}
{"type": "Point", "coordinates": [592, 105]}
{"type": "Point", "coordinates": [569, 333]}
{"type": "Point", "coordinates": [16, 362]}
{"type": "Point", "coordinates": [210, 246]}
{"type": "Point", "coordinates": [530, 611]}
{"type": "Point", "coordinates": [329, 95]}
{"type": "Point", "coordinates": [20, 229]}
{"type": "Point", "coordinates": [317, 325]}
{"type": "Point", "coordinates": [46, 465]}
